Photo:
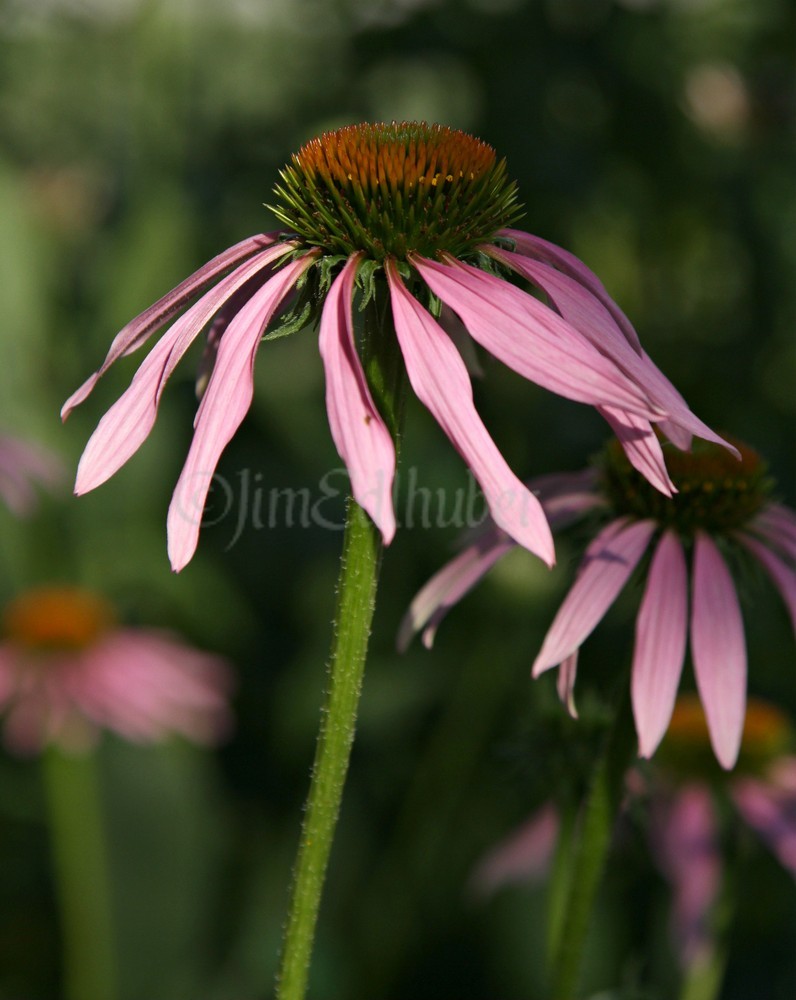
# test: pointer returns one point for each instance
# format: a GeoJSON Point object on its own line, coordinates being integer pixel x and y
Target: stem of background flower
{"type": "Point", "coordinates": [77, 834]}
{"type": "Point", "coordinates": [356, 599]}
{"type": "Point", "coordinates": [590, 842]}
{"type": "Point", "coordinates": [703, 979]}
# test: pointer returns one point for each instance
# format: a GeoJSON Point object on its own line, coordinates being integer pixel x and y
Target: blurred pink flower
{"type": "Point", "coordinates": [23, 466]}
{"type": "Point", "coordinates": [722, 504]}
{"type": "Point", "coordinates": [426, 209]}
{"type": "Point", "coordinates": [684, 798]}
{"type": "Point", "coordinates": [67, 672]}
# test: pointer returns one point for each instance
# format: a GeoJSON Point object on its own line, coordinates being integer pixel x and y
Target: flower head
{"type": "Point", "coordinates": [422, 214]}
{"type": "Point", "coordinates": [723, 506]}
{"type": "Point", "coordinates": [67, 671]}
{"type": "Point", "coordinates": [23, 466]}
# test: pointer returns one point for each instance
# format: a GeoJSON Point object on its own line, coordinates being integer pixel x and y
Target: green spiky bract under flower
{"type": "Point", "coordinates": [389, 189]}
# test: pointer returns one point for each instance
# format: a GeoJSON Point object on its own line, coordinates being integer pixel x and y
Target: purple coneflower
{"type": "Point", "coordinates": [23, 466]}
{"type": "Point", "coordinates": [686, 801]}
{"type": "Point", "coordinates": [67, 671]}
{"type": "Point", "coordinates": [722, 505]}
{"type": "Point", "coordinates": [427, 210]}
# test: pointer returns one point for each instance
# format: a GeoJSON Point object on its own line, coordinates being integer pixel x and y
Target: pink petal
{"type": "Point", "coordinates": [566, 496]}
{"type": "Point", "coordinates": [447, 587]}
{"type": "Point", "coordinates": [138, 330]}
{"type": "Point", "coordinates": [224, 405]}
{"type": "Point", "coordinates": [609, 560]}
{"type": "Point", "coordinates": [128, 423]}
{"type": "Point", "coordinates": [524, 855]}
{"type": "Point", "coordinates": [777, 524]}
{"type": "Point", "coordinates": [569, 264]}
{"type": "Point", "coordinates": [718, 649]}
{"type": "Point", "coordinates": [359, 432]}
{"type": "Point", "coordinates": [565, 683]}
{"type": "Point", "coordinates": [592, 319]}
{"type": "Point", "coordinates": [661, 629]}
{"type": "Point", "coordinates": [772, 813]}
{"type": "Point", "coordinates": [439, 379]}
{"type": "Point", "coordinates": [784, 576]}
{"type": "Point", "coordinates": [530, 338]}
{"type": "Point", "coordinates": [642, 447]}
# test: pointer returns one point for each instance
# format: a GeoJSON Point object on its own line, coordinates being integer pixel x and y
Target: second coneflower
{"type": "Point", "coordinates": [422, 215]}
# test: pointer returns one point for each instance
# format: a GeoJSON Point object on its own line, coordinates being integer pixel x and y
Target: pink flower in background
{"type": "Point", "coordinates": [723, 505]}
{"type": "Point", "coordinates": [684, 798]}
{"type": "Point", "coordinates": [67, 672]}
{"type": "Point", "coordinates": [23, 467]}
{"type": "Point", "coordinates": [423, 212]}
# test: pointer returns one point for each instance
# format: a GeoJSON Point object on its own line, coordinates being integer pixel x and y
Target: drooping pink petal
{"type": "Point", "coordinates": [661, 629]}
{"type": "Point", "coordinates": [771, 812]}
{"type": "Point", "coordinates": [139, 329]}
{"type": "Point", "coordinates": [784, 576]}
{"type": "Point", "coordinates": [609, 560]}
{"type": "Point", "coordinates": [530, 338]}
{"type": "Point", "coordinates": [719, 649]}
{"type": "Point", "coordinates": [223, 407]}
{"type": "Point", "coordinates": [523, 856]}
{"type": "Point", "coordinates": [358, 429]}
{"type": "Point", "coordinates": [565, 683]}
{"type": "Point", "coordinates": [128, 423]}
{"type": "Point", "coordinates": [568, 263]}
{"type": "Point", "coordinates": [777, 524]}
{"type": "Point", "coordinates": [439, 379]}
{"type": "Point", "coordinates": [642, 447]}
{"type": "Point", "coordinates": [591, 318]}
{"type": "Point", "coordinates": [566, 496]}
{"type": "Point", "coordinates": [688, 847]}
{"type": "Point", "coordinates": [23, 466]}
{"type": "Point", "coordinates": [447, 587]}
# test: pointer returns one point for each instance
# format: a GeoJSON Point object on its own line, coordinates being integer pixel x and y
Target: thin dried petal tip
{"type": "Point", "coordinates": [394, 188]}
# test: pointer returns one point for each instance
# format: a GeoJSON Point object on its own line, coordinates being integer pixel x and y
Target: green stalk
{"type": "Point", "coordinates": [356, 599]}
{"type": "Point", "coordinates": [81, 872]}
{"type": "Point", "coordinates": [574, 902]}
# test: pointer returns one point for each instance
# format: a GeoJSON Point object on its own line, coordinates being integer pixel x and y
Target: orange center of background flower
{"type": "Point", "coordinates": [56, 618]}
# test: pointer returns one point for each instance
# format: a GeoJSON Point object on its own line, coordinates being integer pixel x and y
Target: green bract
{"type": "Point", "coordinates": [389, 189]}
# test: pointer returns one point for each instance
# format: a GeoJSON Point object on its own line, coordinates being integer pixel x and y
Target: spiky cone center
{"type": "Point", "coordinates": [716, 492]}
{"type": "Point", "coordinates": [686, 750]}
{"type": "Point", "coordinates": [53, 619]}
{"type": "Point", "coordinates": [392, 189]}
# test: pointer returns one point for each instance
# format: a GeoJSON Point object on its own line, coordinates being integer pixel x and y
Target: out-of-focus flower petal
{"type": "Point", "coordinates": [139, 329]}
{"type": "Point", "coordinates": [642, 447]}
{"type": "Point", "coordinates": [777, 524]}
{"type": "Point", "coordinates": [223, 407]}
{"type": "Point", "coordinates": [357, 427]}
{"type": "Point", "coordinates": [530, 338]}
{"type": "Point", "coordinates": [719, 650]}
{"type": "Point", "coordinates": [440, 381]}
{"type": "Point", "coordinates": [687, 842]}
{"type": "Point", "coordinates": [661, 628]}
{"type": "Point", "coordinates": [609, 560]}
{"type": "Point", "coordinates": [447, 587]}
{"type": "Point", "coordinates": [568, 263]}
{"type": "Point", "coordinates": [525, 855]}
{"type": "Point", "coordinates": [128, 423]}
{"type": "Point", "coordinates": [771, 812]}
{"type": "Point", "coordinates": [23, 466]}
{"type": "Point", "coordinates": [784, 576]}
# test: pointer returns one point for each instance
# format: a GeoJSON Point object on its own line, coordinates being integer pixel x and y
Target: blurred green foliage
{"type": "Point", "coordinates": [138, 139]}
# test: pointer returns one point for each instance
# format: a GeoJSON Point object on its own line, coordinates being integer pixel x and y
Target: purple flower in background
{"type": "Point", "coordinates": [722, 506]}
{"type": "Point", "coordinates": [23, 466]}
{"type": "Point", "coordinates": [67, 672]}
{"type": "Point", "coordinates": [424, 213]}
{"type": "Point", "coordinates": [684, 797]}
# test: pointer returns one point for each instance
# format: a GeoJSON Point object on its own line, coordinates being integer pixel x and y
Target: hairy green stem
{"type": "Point", "coordinates": [81, 871]}
{"type": "Point", "coordinates": [356, 598]}
{"type": "Point", "coordinates": [589, 851]}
